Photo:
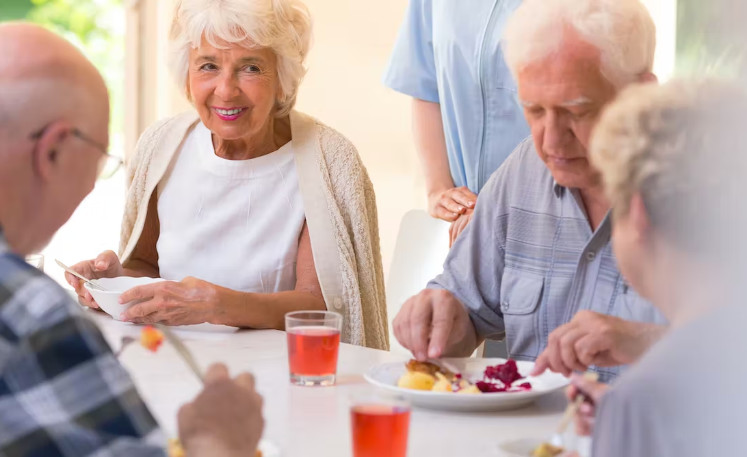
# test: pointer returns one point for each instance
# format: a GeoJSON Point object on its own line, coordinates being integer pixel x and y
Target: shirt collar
{"type": "Point", "coordinates": [557, 188]}
{"type": "Point", "coordinates": [3, 243]}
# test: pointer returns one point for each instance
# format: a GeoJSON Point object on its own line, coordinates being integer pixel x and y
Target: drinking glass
{"type": "Point", "coordinates": [380, 425]}
{"type": "Point", "coordinates": [313, 343]}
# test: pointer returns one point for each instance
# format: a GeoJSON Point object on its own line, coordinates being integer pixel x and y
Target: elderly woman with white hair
{"type": "Point", "coordinates": [254, 208]}
{"type": "Point", "coordinates": [673, 159]}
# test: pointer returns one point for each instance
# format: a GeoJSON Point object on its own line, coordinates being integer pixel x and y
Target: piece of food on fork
{"type": "Point", "coordinates": [151, 338]}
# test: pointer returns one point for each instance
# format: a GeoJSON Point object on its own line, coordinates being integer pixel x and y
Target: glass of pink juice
{"type": "Point", "coordinates": [380, 426]}
{"type": "Point", "coordinates": [313, 342]}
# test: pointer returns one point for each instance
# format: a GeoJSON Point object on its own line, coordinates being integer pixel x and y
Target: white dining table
{"type": "Point", "coordinates": [313, 421]}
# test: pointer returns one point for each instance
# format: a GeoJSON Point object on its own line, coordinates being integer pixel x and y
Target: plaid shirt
{"type": "Point", "coordinates": [62, 391]}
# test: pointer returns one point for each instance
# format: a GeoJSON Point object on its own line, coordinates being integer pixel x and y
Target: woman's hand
{"type": "Point", "coordinates": [190, 301]}
{"type": "Point", "coordinates": [594, 391]}
{"type": "Point", "coordinates": [459, 225]}
{"type": "Point", "coordinates": [450, 203]}
{"type": "Point", "coordinates": [106, 265]}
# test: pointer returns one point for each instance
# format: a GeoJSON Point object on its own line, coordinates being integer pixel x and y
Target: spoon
{"type": "Point", "coordinates": [93, 284]}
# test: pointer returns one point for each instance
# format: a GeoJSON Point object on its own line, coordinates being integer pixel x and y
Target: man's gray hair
{"type": "Point", "coordinates": [622, 30]}
{"type": "Point", "coordinates": [281, 25]}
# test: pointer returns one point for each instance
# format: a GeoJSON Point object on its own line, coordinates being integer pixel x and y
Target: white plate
{"type": "Point", "coordinates": [385, 376]}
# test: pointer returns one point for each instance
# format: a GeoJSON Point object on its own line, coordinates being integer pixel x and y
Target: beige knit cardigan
{"type": "Point", "coordinates": [340, 209]}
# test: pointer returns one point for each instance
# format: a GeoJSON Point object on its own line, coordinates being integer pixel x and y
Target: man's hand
{"type": "Point", "coordinates": [459, 225]}
{"type": "Point", "coordinates": [433, 323]}
{"type": "Point", "coordinates": [225, 420]}
{"type": "Point", "coordinates": [593, 391]}
{"type": "Point", "coordinates": [450, 203]}
{"type": "Point", "coordinates": [106, 265]}
{"type": "Point", "coordinates": [595, 339]}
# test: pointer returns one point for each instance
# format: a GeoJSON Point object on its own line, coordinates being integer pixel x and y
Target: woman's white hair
{"type": "Point", "coordinates": [281, 25]}
{"type": "Point", "coordinates": [622, 30]}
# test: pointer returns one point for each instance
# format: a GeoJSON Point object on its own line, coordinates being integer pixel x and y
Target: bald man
{"type": "Point", "coordinates": [62, 391]}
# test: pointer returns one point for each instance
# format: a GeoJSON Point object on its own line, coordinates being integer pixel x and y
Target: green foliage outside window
{"type": "Point", "coordinates": [712, 38]}
{"type": "Point", "coordinates": [97, 27]}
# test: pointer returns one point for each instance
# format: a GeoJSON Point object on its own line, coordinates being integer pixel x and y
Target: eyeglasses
{"type": "Point", "coordinates": [107, 168]}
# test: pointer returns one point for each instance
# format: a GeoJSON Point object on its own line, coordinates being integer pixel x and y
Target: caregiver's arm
{"type": "Point", "coordinates": [444, 200]}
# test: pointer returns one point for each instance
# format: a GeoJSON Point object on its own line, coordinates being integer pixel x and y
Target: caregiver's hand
{"type": "Point", "coordinates": [189, 301]}
{"type": "Point", "coordinates": [105, 265]}
{"type": "Point", "coordinates": [448, 204]}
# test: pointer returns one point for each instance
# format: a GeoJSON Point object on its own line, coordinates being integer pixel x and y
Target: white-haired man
{"type": "Point", "coordinates": [62, 391]}
{"type": "Point", "coordinates": [537, 252]}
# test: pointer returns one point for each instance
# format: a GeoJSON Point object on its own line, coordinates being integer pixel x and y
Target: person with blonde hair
{"type": "Point", "coordinates": [251, 208]}
{"type": "Point", "coordinates": [672, 159]}
{"type": "Point", "coordinates": [536, 257]}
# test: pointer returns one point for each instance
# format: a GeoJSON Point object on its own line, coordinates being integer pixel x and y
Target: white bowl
{"type": "Point", "coordinates": [108, 299]}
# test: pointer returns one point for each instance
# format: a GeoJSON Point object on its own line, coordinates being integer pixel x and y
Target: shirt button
{"type": "Point", "coordinates": [337, 303]}
{"type": "Point", "coordinates": [504, 306]}
{"type": "Point", "coordinates": [590, 255]}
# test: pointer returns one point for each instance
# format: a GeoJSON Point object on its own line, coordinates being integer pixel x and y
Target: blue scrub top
{"type": "Point", "coordinates": [449, 52]}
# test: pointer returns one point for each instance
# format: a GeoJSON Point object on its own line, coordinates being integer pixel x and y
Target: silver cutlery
{"type": "Point", "coordinates": [182, 350]}
{"type": "Point", "coordinates": [92, 282]}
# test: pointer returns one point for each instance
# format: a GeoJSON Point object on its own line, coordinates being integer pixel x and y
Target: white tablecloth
{"type": "Point", "coordinates": [314, 421]}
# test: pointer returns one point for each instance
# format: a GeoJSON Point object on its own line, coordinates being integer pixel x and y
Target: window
{"type": "Point", "coordinates": [711, 38]}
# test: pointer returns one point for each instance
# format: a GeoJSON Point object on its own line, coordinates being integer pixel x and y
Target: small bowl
{"type": "Point", "coordinates": [108, 299]}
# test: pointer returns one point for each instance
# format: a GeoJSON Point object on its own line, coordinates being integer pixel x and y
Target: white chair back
{"type": "Point", "coordinates": [419, 253]}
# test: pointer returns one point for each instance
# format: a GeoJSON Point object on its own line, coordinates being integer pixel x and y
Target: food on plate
{"type": "Point", "coordinates": [428, 368]}
{"type": "Point", "coordinates": [416, 380]}
{"type": "Point", "coordinates": [547, 450]}
{"type": "Point", "coordinates": [429, 376]}
{"type": "Point", "coordinates": [151, 338]}
{"type": "Point", "coordinates": [175, 449]}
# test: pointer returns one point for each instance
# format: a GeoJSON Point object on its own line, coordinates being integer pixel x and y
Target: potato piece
{"type": "Point", "coordinates": [547, 450]}
{"type": "Point", "coordinates": [469, 390]}
{"type": "Point", "coordinates": [442, 384]}
{"type": "Point", "coordinates": [416, 380]}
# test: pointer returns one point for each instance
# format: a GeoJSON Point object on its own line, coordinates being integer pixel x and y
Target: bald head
{"type": "Point", "coordinates": [48, 89]}
{"type": "Point", "coordinates": [31, 51]}
{"type": "Point", "coordinates": [43, 76]}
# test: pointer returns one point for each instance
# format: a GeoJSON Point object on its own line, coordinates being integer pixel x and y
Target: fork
{"type": "Point", "coordinates": [126, 341]}
{"type": "Point", "coordinates": [570, 411]}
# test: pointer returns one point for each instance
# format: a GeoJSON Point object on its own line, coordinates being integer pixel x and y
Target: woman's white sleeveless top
{"type": "Point", "coordinates": [234, 223]}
